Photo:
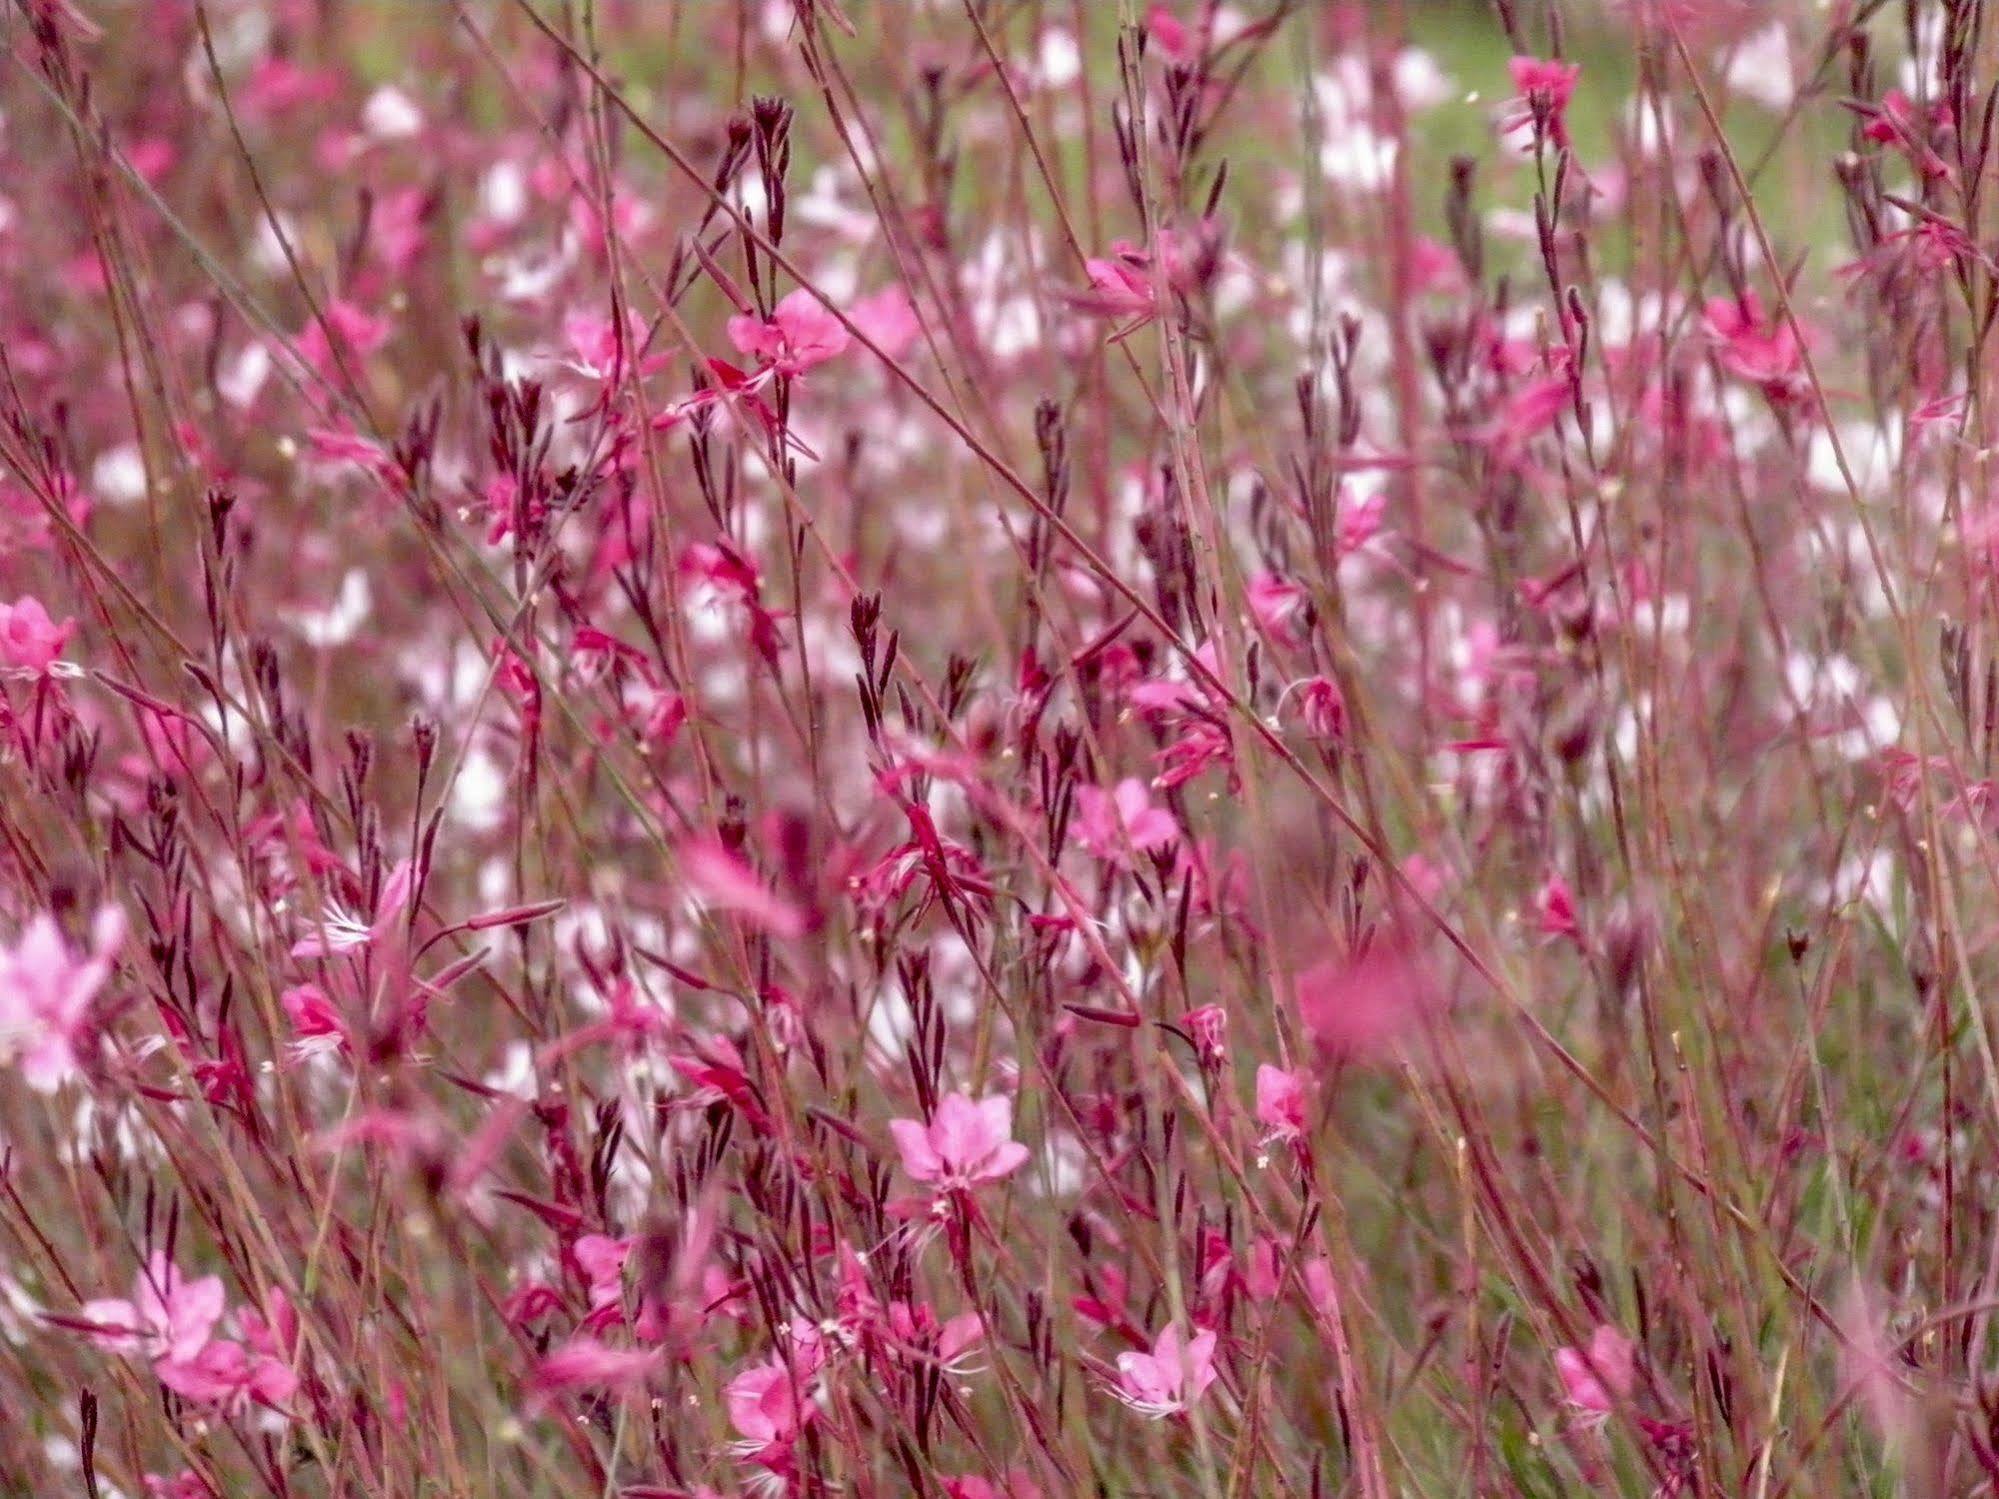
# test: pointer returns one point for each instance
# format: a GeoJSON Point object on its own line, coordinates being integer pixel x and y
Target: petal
{"type": "Point", "coordinates": [996, 1117]}
{"type": "Point", "coordinates": [918, 1159]}
{"type": "Point", "coordinates": [1004, 1161]}
{"type": "Point", "coordinates": [957, 1131]}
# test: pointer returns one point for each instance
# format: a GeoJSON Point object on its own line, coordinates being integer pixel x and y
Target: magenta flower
{"type": "Point", "coordinates": [318, 1027]}
{"type": "Point", "coordinates": [227, 1374]}
{"type": "Point", "coordinates": [168, 1316]}
{"type": "Point", "coordinates": [1169, 1379]}
{"type": "Point", "coordinates": [725, 882]}
{"type": "Point", "coordinates": [1555, 910]}
{"type": "Point", "coordinates": [602, 1261]}
{"type": "Point", "coordinates": [1544, 89]}
{"type": "Point", "coordinates": [1281, 608]}
{"type": "Point", "coordinates": [770, 1403]}
{"type": "Point", "coordinates": [340, 930]}
{"type": "Point", "coordinates": [889, 320]}
{"type": "Point", "coordinates": [1364, 1008]}
{"type": "Point", "coordinates": [1756, 346]}
{"type": "Point", "coordinates": [170, 1321]}
{"type": "Point", "coordinates": [1209, 1027]}
{"type": "Point", "coordinates": [1595, 1378]}
{"type": "Point", "coordinates": [29, 640]}
{"type": "Point", "coordinates": [1119, 287]}
{"type": "Point", "coordinates": [46, 993]}
{"type": "Point", "coordinates": [1280, 1103]}
{"type": "Point", "coordinates": [801, 332]}
{"type": "Point", "coordinates": [585, 1363]}
{"type": "Point", "coordinates": [964, 1144]}
{"type": "Point", "coordinates": [1324, 708]}
{"type": "Point", "coordinates": [342, 326]}
{"type": "Point", "coordinates": [1107, 820]}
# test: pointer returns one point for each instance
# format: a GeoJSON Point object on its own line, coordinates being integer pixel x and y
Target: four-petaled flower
{"type": "Point", "coordinates": [29, 640]}
{"type": "Point", "coordinates": [1109, 822]}
{"type": "Point", "coordinates": [1595, 1378]}
{"type": "Point", "coordinates": [800, 332]}
{"type": "Point", "coordinates": [1169, 1379]}
{"type": "Point", "coordinates": [964, 1144]}
{"type": "Point", "coordinates": [1544, 88]}
{"type": "Point", "coordinates": [46, 993]}
{"type": "Point", "coordinates": [1280, 1103]}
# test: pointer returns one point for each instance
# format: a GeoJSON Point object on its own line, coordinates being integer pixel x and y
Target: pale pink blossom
{"type": "Point", "coordinates": [46, 993]}
{"type": "Point", "coordinates": [340, 930]}
{"type": "Point", "coordinates": [1595, 1378]}
{"type": "Point", "coordinates": [1109, 820]}
{"type": "Point", "coordinates": [801, 332]}
{"type": "Point", "coordinates": [171, 1321]}
{"type": "Point", "coordinates": [1169, 1379]}
{"type": "Point", "coordinates": [1281, 607]}
{"type": "Point", "coordinates": [1209, 1027]}
{"type": "Point", "coordinates": [964, 1144]}
{"type": "Point", "coordinates": [342, 328]}
{"type": "Point", "coordinates": [724, 882]}
{"type": "Point", "coordinates": [602, 1261]}
{"type": "Point", "coordinates": [888, 318]}
{"type": "Point", "coordinates": [1755, 345]}
{"type": "Point", "coordinates": [29, 640]}
{"type": "Point", "coordinates": [769, 1404]}
{"type": "Point", "coordinates": [586, 1363]}
{"type": "Point", "coordinates": [1280, 1103]}
{"type": "Point", "coordinates": [167, 1317]}
{"type": "Point", "coordinates": [226, 1373]}
{"type": "Point", "coordinates": [1364, 1008]}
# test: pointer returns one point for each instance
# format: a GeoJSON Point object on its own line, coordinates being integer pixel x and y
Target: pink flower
{"type": "Point", "coordinates": [1544, 89]}
{"type": "Point", "coordinates": [46, 993]}
{"type": "Point", "coordinates": [273, 1333]}
{"type": "Point", "coordinates": [1324, 709]}
{"type": "Point", "coordinates": [342, 326]}
{"type": "Point", "coordinates": [1169, 1379]}
{"type": "Point", "coordinates": [1169, 33]}
{"type": "Point", "coordinates": [29, 640]}
{"type": "Point", "coordinates": [769, 1405]}
{"type": "Point", "coordinates": [597, 352]}
{"type": "Point", "coordinates": [1209, 1026]}
{"type": "Point", "coordinates": [226, 1373]}
{"type": "Point", "coordinates": [1898, 121]}
{"type": "Point", "coordinates": [340, 930]}
{"type": "Point", "coordinates": [1107, 820]}
{"type": "Point", "coordinates": [1363, 1008]}
{"type": "Point", "coordinates": [1119, 287]}
{"type": "Point", "coordinates": [318, 1026]}
{"type": "Point", "coordinates": [1280, 607]}
{"type": "Point", "coordinates": [1280, 1103]}
{"type": "Point", "coordinates": [724, 882]}
{"type": "Point", "coordinates": [1592, 1380]}
{"type": "Point", "coordinates": [587, 1363]}
{"type": "Point", "coordinates": [171, 1321]}
{"type": "Point", "coordinates": [602, 1261]}
{"type": "Point", "coordinates": [888, 318]}
{"type": "Point", "coordinates": [1531, 408]}
{"type": "Point", "coordinates": [801, 332]}
{"type": "Point", "coordinates": [168, 1318]}
{"type": "Point", "coordinates": [1753, 346]}
{"type": "Point", "coordinates": [1555, 910]}
{"type": "Point", "coordinates": [964, 1144]}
